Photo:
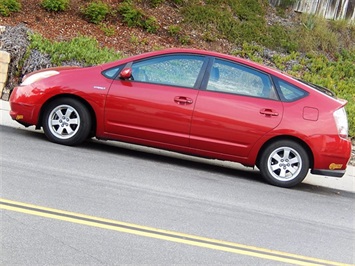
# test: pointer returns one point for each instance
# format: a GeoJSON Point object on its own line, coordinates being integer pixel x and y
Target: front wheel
{"type": "Point", "coordinates": [284, 163]}
{"type": "Point", "coordinates": [66, 121]}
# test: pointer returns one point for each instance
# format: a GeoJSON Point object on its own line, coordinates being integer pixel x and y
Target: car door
{"type": "Point", "coordinates": [238, 106]}
{"type": "Point", "coordinates": [155, 105]}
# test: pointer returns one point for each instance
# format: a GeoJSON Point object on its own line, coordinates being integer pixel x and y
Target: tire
{"type": "Point", "coordinates": [66, 121]}
{"type": "Point", "coordinates": [284, 163]}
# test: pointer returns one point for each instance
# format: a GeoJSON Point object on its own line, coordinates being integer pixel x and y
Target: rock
{"type": "Point", "coordinates": [14, 40]}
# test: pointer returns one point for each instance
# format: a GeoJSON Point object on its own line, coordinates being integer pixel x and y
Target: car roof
{"type": "Point", "coordinates": [247, 62]}
{"type": "Point", "coordinates": [197, 52]}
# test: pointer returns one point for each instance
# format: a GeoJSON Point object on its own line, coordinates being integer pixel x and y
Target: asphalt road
{"type": "Point", "coordinates": [105, 203]}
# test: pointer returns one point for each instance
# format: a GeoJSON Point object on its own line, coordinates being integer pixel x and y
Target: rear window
{"type": "Point", "coordinates": [319, 88]}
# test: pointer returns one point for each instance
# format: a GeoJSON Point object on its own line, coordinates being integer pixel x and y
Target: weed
{"type": "Point", "coordinates": [174, 30]}
{"type": "Point", "coordinates": [108, 30]}
{"type": "Point", "coordinates": [150, 24]}
{"type": "Point", "coordinates": [184, 40]}
{"type": "Point", "coordinates": [134, 39]}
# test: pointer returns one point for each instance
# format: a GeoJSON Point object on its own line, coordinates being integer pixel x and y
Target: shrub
{"type": "Point", "coordinates": [95, 12]}
{"type": "Point", "coordinates": [55, 5]}
{"type": "Point", "coordinates": [82, 49]}
{"type": "Point", "coordinates": [135, 17]}
{"type": "Point", "coordinates": [8, 6]}
{"type": "Point", "coordinates": [4, 11]}
{"type": "Point", "coordinates": [131, 15]}
{"type": "Point", "coordinates": [150, 24]}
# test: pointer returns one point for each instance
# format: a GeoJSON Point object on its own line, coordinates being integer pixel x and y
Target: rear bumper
{"type": "Point", "coordinates": [327, 172]}
{"type": "Point", "coordinates": [331, 155]}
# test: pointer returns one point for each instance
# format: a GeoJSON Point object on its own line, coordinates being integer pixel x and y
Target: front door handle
{"type": "Point", "coordinates": [183, 100]}
{"type": "Point", "coordinates": [268, 112]}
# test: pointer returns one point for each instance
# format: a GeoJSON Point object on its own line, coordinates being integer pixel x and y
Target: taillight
{"type": "Point", "coordinates": [341, 121]}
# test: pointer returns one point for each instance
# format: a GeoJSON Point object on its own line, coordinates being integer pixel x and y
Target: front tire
{"type": "Point", "coordinates": [284, 163]}
{"type": "Point", "coordinates": [66, 121]}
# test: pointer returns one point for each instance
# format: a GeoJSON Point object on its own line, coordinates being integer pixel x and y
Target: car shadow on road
{"type": "Point", "coordinates": [216, 167]}
{"type": "Point", "coordinates": [212, 167]}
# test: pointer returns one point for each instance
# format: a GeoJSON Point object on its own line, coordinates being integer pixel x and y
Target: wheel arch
{"type": "Point", "coordinates": [286, 137]}
{"type": "Point", "coordinates": [79, 99]}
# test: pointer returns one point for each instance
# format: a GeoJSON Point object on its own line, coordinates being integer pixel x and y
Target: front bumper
{"type": "Point", "coordinates": [23, 113]}
{"type": "Point", "coordinates": [24, 105]}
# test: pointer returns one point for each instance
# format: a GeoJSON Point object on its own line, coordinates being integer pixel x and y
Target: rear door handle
{"type": "Point", "coordinates": [183, 100]}
{"type": "Point", "coordinates": [268, 112]}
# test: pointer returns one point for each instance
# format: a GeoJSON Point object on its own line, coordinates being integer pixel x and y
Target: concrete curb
{"type": "Point", "coordinates": [346, 183]}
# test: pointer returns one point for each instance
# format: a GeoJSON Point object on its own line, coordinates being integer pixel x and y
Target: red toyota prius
{"type": "Point", "coordinates": [196, 102]}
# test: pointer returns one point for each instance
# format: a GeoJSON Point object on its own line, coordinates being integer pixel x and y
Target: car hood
{"type": "Point", "coordinates": [59, 69]}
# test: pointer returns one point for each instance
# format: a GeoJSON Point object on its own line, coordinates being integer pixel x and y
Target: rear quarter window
{"type": "Point", "coordinates": [289, 92]}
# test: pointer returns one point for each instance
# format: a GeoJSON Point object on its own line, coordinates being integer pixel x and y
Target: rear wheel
{"type": "Point", "coordinates": [284, 163]}
{"type": "Point", "coordinates": [66, 121]}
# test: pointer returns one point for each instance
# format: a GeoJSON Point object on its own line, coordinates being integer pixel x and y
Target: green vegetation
{"type": "Point", "coordinates": [82, 49]}
{"type": "Point", "coordinates": [135, 17]}
{"type": "Point", "coordinates": [174, 30]}
{"type": "Point", "coordinates": [9, 6]}
{"type": "Point", "coordinates": [108, 30]}
{"type": "Point", "coordinates": [95, 12]}
{"type": "Point", "coordinates": [155, 3]}
{"type": "Point", "coordinates": [337, 75]}
{"type": "Point", "coordinates": [55, 5]}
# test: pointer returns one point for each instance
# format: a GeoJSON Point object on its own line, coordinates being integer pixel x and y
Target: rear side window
{"type": "Point", "coordinates": [289, 92]}
{"type": "Point", "coordinates": [230, 77]}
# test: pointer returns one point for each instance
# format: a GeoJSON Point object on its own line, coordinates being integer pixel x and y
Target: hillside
{"type": "Point", "coordinates": [173, 28]}
{"type": "Point", "coordinates": [61, 26]}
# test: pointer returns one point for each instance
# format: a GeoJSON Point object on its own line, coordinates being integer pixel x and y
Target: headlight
{"type": "Point", "coordinates": [341, 121]}
{"type": "Point", "coordinates": [38, 76]}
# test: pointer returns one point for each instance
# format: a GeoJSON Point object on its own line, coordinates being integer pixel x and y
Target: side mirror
{"type": "Point", "coordinates": [126, 73]}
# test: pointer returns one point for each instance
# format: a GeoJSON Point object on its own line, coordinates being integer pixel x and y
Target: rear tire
{"type": "Point", "coordinates": [284, 163]}
{"type": "Point", "coordinates": [66, 121]}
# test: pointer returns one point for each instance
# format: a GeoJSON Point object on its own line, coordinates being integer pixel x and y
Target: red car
{"type": "Point", "coordinates": [196, 102]}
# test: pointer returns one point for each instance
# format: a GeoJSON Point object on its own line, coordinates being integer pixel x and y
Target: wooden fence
{"type": "Point", "coordinates": [330, 9]}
